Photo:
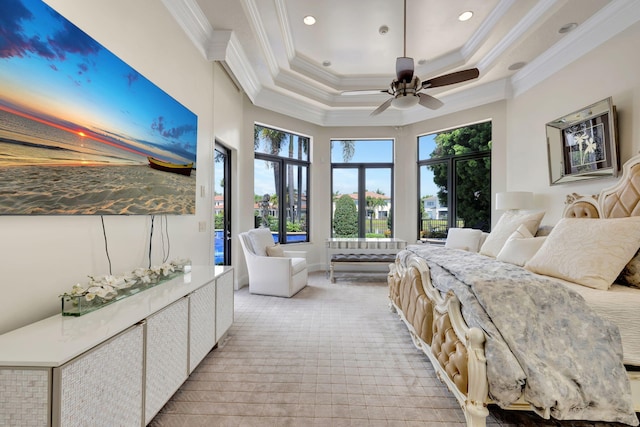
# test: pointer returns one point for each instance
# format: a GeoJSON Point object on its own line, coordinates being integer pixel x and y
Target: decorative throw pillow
{"type": "Point", "coordinates": [520, 247]}
{"type": "Point", "coordinates": [590, 252]}
{"type": "Point", "coordinates": [467, 239]}
{"type": "Point", "coordinates": [275, 250]}
{"type": "Point", "coordinates": [261, 238]}
{"type": "Point", "coordinates": [630, 275]}
{"type": "Point", "coordinates": [507, 224]}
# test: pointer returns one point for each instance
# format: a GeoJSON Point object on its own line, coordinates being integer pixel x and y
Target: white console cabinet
{"type": "Point", "coordinates": [167, 360]}
{"type": "Point", "coordinates": [117, 365]}
{"type": "Point", "coordinates": [202, 321]}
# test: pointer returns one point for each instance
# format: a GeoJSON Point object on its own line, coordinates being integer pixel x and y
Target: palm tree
{"type": "Point", "coordinates": [274, 141]}
{"type": "Point", "coordinates": [348, 149]}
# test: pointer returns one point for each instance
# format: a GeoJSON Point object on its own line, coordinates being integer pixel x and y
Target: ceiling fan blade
{"type": "Point", "coordinates": [382, 107]}
{"type": "Point", "coordinates": [452, 78]}
{"type": "Point", "coordinates": [429, 101]}
{"type": "Point", "coordinates": [364, 92]}
{"type": "Point", "coordinates": [404, 69]}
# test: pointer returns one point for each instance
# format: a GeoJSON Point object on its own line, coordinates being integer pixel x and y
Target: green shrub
{"type": "Point", "coordinates": [345, 218]}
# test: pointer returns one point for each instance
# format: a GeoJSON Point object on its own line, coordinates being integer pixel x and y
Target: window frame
{"type": "Point", "coordinates": [284, 162]}
{"type": "Point", "coordinates": [451, 161]}
{"type": "Point", "coordinates": [362, 171]}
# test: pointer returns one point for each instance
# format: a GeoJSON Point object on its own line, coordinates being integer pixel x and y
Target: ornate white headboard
{"type": "Point", "coordinates": [618, 201]}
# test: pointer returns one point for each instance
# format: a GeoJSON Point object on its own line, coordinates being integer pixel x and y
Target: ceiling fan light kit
{"type": "Point", "coordinates": [405, 102]}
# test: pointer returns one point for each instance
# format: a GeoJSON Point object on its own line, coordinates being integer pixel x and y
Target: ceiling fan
{"type": "Point", "coordinates": [405, 88]}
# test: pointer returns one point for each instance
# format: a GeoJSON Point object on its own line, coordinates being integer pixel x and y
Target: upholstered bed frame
{"type": "Point", "coordinates": [438, 329]}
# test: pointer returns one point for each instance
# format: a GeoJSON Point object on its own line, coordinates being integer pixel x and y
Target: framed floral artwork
{"type": "Point", "coordinates": [583, 144]}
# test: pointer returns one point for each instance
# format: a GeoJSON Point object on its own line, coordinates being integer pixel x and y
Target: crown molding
{"type": "Point", "coordinates": [225, 47]}
{"type": "Point", "coordinates": [515, 33]}
{"type": "Point", "coordinates": [285, 104]}
{"type": "Point", "coordinates": [192, 20]}
{"type": "Point", "coordinates": [289, 46]}
{"type": "Point", "coordinates": [612, 19]}
{"type": "Point", "coordinates": [350, 116]}
{"type": "Point", "coordinates": [253, 15]}
{"type": "Point", "coordinates": [487, 26]}
{"type": "Point", "coordinates": [310, 102]}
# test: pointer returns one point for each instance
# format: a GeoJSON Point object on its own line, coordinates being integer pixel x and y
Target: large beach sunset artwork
{"type": "Point", "coordinates": [81, 132]}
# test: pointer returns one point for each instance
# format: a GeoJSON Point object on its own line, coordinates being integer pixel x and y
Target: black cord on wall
{"type": "Point", "coordinates": [166, 232]}
{"type": "Point", "coordinates": [106, 245]}
{"type": "Point", "coordinates": [153, 217]}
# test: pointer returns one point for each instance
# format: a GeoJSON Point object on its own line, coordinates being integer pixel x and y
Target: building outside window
{"type": "Point", "coordinates": [362, 188]}
{"type": "Point", "coordinates": [281, 183]}
{"type": "Point", "coordinates": [454, 180]}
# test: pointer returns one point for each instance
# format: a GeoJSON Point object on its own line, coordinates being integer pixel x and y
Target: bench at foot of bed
{"type": "Point", "coordinates": [359, 259]}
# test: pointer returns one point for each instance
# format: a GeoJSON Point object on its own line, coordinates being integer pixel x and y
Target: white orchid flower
{"type": "Point", "coordinates": [107, 287]}
{"type": "Point", "coordinates": [115, 282]}
{"type": "Point", "coordinates": [166, 269]}
{"type": "Point", "coordinates": [77, 289]}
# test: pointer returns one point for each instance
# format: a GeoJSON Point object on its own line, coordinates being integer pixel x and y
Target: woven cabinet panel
{"type": "Point", "coordinates": [202, 329]}
{"type": "Point", "coordinates": [24, 397]}
{"type": "Point", "coordinates": [167, 358]}
{"type": "Point", "coordinates": [103, 387]}
{"type": "Point", "coordinates": [224, 304]}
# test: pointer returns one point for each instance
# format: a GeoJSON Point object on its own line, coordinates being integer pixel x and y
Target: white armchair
{"type": "Point", "coordinates": [272, 271]}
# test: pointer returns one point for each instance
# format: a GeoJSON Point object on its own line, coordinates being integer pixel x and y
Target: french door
{"type": "Point", "coordinates": [222, 205]}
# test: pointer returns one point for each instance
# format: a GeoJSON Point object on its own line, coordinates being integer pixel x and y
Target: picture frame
{"type": "Point", "coordinates": [583, 144]}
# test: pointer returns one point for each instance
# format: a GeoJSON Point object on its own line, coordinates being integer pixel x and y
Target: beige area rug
{"type": "Point", "coordinates": [333, 355]}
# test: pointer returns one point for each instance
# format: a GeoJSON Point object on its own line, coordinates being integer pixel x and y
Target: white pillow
{"type": "Point", "coordinates": [467, 239]}
{"type": "Point", "coordinates": [520, 247]}
{"type": "Point", "coordinates": [507, 224]}
{"type": "Point", "coordinates": [590, 252]}
{"type": "Point", "coordinates": [261, 238]}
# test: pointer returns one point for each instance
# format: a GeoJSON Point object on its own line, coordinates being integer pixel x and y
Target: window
{"type": "Point", "coordinates": [454, 180]}
{"type": "Point", "coordinates": [281, 183]}
{"type": "Point", "coordinates": [362, 183]}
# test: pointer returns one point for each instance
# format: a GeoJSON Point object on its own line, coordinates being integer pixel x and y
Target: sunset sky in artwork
{"type": "Point", "coordinates": [55, 74]}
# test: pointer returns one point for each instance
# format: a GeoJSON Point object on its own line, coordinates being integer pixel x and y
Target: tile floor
{"type": "Point", "coordinates": [333, 355]}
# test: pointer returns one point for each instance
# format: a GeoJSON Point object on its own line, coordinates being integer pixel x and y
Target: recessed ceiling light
{"type": "Point", "coordinates": [309, 20]}
{"type": "Point", "coordinates": [326, 63]}
{"type": "Point", "coordinates": [465, 16]}
{"type": "Point", "coordinates": [422, 61]}
{"type": "Point", "coordinates": [516, 66]}
{"type": "Point", "coordinates": [566, 28]}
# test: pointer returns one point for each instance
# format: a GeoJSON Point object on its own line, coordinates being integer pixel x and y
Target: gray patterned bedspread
{"type": "Point", "coordinates": [543, 342]}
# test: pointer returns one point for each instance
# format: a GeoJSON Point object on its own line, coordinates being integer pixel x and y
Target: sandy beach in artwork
{"type": "Point", "coordinates": [99, 190]}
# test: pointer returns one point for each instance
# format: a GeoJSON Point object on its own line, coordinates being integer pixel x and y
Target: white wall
{"type": "Point", "coordinates": [609, 70]}
{"type": "Point", "coordinates": [43, 256]}
{"type": "Point", "coordinates": [228, 118]}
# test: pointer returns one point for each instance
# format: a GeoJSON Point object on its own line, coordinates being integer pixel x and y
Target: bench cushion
{"type": "Point", "coordinates": [363, 257]}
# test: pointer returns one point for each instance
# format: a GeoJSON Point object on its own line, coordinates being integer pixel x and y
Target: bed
{"type": "Point", "coordinates": [574, 355]}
